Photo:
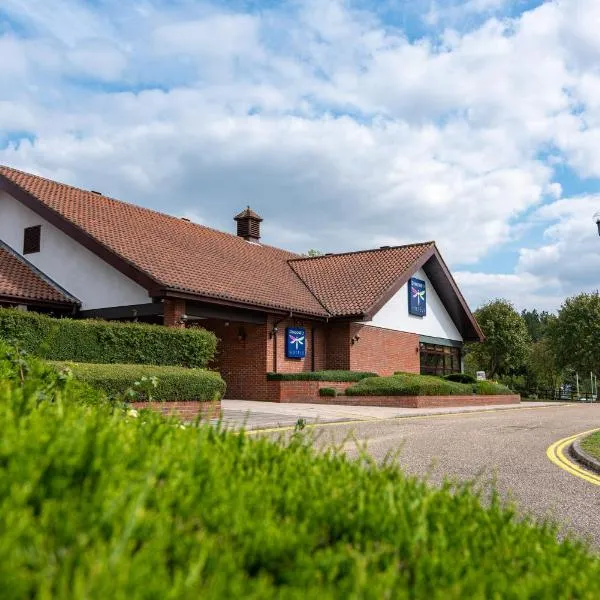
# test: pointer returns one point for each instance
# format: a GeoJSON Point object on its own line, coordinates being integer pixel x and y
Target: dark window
{"type": "Point", "coordinates": [439, 360]}
{"type": "Point", "coordinates": [31, 239]}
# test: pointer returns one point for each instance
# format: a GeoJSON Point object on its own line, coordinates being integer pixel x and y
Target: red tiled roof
{"type": "Point", "coordinates": [177, 254]}
{"type": "Point", "coordinates": [21, 281]}
{"type": "Point", "coordinates": [353, 283]}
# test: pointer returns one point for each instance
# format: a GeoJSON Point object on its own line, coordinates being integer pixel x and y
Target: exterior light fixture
{"type": "Point", "coordinates": [597, 220]}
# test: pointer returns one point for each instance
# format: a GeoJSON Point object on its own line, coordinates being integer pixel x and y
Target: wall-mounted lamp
{"type": "Point", "coordinates": [183, 319]}
{"type": "Point", "coordinates": [241, 334]}
{"type": "Point", "coordinates": [226, 323]}
{"type": "Point", "coordinates": [354, 339]}
{"type": "Point", "coordinates": [273, 332]}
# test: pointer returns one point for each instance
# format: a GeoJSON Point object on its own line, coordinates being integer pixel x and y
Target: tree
{"type": "Point", "coordinates": [507, 340]}
{"type": "Point", "coordinates": [542, 370]}
{"type": "Point", "coordinates": [537, 323]}
{"type": "Point", "coordinates": [312, 253]}
{"type": "Point", "coordinates": [575, 334]}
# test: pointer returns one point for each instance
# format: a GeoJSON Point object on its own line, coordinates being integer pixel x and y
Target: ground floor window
{"type": "Point", "coordinates": [439, 360]}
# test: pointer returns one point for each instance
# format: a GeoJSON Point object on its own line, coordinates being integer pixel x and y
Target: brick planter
{"type": "Point", "coordinates": [305, 391]}
{"type": "Point", "coordinates": [412, 401]}
{"type": "Point", "coordinates": [188, 410]}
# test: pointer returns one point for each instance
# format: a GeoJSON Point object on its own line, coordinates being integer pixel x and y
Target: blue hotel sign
{"type": "Point", "coordinates": [417, 297]}
{"type": "Point", "coordinates": [295, 342]}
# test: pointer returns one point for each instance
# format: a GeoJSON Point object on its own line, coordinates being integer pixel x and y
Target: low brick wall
{"type": "Point", "coordinates": [187, 411]}
{"type": "Point", "coordinates": [304, 391]}
{"type": "Point", "coordinates": [411, 401]}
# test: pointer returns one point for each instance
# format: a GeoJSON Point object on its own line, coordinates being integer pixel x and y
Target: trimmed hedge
{"type": "Point", "coordinates": [460, 378]}
{"type": "Point", "coordinates": [99, 505]}
{"type": "Point", "coordinates": [173, 383]}
{"type": "Point", "coordinates": [94, 341]}
{"type": "Point", "coordinates": [328, 392]}
{"type": "Point", "coordinates": [321, 376]}
{"type": "Point", "coordinates": [406, 384]}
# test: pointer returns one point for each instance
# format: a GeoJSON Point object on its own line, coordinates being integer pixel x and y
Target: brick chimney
{"type": "Point", "coordinates": [248, 225]}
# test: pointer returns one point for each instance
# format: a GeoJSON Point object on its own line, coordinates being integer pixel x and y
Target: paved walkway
{"type": "Point", "coordinates": [260, 415]}
{"type": "Point", "coordinates": [506, 445]}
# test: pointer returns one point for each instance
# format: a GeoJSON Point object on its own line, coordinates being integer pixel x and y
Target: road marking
{"type": "Point", "coordinates": [556, 453]}
{"type": "Point", "coordinates": [284, 428]}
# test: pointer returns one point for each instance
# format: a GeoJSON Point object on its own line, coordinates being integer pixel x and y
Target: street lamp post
{"type": "Point", "coordinates": [597, 219]}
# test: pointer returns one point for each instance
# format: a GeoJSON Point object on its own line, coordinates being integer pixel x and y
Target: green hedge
{"type": "Point", "coordinates": [173, 383]}
{"type": "Point", "coordinates": [99, 505]}
{"type": "Point", "coordinates": [96, 341]}
{"type": "Point", "coordinates": [328, 392]}
{"type": "Point", "coordinates": [406, 384]}
{"type": "Point", "coordinates": [460, 378]}
{"type": "Point", "coordinates": [320, 376]}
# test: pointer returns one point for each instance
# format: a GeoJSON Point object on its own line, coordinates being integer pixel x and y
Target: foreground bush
{"type": "Point", "coordinates": [96, 341]}
{"type": "Point", "coordinates": [97, 505]}
{"type": "Point", "coordinates": [460, 378]}
{"type": "Point", "coordinates": [321, 376]}
{"type": "Point", "coordinates": [172, 383]}
{"type": "Point", "coordinates": [409, 384]}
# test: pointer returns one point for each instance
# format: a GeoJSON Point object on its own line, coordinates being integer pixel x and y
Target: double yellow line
{"type": "Point", "coordinates": [556, 453]}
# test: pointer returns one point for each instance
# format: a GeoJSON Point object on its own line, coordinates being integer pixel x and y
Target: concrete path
{"type": "Point", "coordinates": [260, 415]}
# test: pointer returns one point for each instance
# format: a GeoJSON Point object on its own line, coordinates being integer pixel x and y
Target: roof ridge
{"type": "Point", "coordinates": [143, 208]}
{"type": "Point", "coordinates": [365, 251]}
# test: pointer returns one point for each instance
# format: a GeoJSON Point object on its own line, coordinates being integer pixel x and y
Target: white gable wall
{"type": "Point", "coordinates": [436, 323]}
{"type": "Point", "coordinates": [83, 274]}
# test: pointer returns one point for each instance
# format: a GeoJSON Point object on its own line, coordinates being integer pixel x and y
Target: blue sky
{"type": "Point", "coordinates": [347, 124]}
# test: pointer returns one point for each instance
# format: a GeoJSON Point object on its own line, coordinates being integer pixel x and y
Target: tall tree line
{"type": "Point", "coordinates": [538, 349]}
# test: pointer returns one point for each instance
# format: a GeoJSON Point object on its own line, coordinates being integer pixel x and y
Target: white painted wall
{"type": "Point", "coordinates": [65, 261]}
{"type": "Point", "coordinates": [436, 323]}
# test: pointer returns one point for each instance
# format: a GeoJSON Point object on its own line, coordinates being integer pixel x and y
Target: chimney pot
{"type": "Point", "coordinates": [248, 225]}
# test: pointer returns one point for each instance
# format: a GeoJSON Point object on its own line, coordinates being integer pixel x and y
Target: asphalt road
{"type": "Point", "coordinates": [506, 446]}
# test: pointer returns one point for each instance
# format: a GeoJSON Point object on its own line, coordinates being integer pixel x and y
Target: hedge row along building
{"type": "Point", "coordinates": [75, 252]}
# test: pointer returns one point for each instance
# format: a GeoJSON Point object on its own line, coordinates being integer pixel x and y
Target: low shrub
{"type": "Point", "coordinates": [491, 388]}
{"type": "Point", "coordinates": [408, 384]}
{"type": "Point", "coordinates": [332, 392]}
{"type": "Point", "coordinates": [591, 444]}
{"type": "Point", "coordinates": [460, 378]}
{"type": "Point", "coordinates": [148, 381]}
{"type": "Point", "coordinates": [99, 505]}
{"type": "Point", "coordinates": [321, 376]}
{"type": "Point", "coordinates": [95, 341]}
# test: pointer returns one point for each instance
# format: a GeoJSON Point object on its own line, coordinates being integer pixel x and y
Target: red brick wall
{"type": "Point", "coordinates": [276, 359]}
{"type": "Point", "coordinates": [384, 351]}
{"type": "Point", "coordinates": [242, 358]}
{"type": "Point", "coordinates": [411, 401]}
{"type": "Point", "coordinates": [188, 410]}
{"type": "Point", "coordinates": [173, 310]}
{"type": "Point", "coordinates": [305, 391]}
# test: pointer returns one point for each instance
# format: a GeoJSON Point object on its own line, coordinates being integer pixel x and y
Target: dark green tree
{"type": "Point", "coordinates": [575, 334]}
{"type": "Point", "coordinates": [537, 323]}
{"type": "Point", "coordinates": [507, 340]}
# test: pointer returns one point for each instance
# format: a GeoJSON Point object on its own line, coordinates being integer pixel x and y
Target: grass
{"type": "Point", "coordinates": [591, 445]}
{"type": "Point", "coordinates": [96, 504]}
{"type": "Point", "coordinates": [321, 376]}
{"type": "Point", "coordinates": [410, 384]}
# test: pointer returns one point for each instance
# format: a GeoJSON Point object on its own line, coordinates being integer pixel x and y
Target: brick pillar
{"type": "Point", "coordinates": [173, 310]}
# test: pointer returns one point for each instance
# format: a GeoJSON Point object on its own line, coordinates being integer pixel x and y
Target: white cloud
{"type": "Point", "coordinates": [341, 131]}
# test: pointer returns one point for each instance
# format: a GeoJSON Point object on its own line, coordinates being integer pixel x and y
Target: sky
{"type": "Point", "coordinates": [347, 124]}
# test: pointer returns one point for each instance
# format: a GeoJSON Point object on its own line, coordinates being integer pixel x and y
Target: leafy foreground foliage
{"type": "Point", "coordinates": [591, 444]}
{"type": "Point", "coordinates": [94, 504]}
{"type": "Point", "coordinates": [460, 378]}
{"type": "Point", "coordinates": [172, 383]}
{"type": "Point", "coordinates": [103, 342]}
{"type": "Point", "coordinates": [409, 384]}
{"type": "Point", "coordinates": [321, 376]}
